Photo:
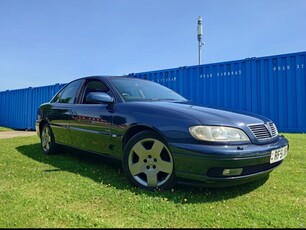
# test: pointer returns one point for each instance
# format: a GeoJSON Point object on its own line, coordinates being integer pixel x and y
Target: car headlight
{"type": "Point", "coordinates": [218, 134]}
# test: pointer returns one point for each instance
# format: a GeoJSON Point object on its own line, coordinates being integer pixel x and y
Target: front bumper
{"type": "Point", "coordinates": [204, 164]}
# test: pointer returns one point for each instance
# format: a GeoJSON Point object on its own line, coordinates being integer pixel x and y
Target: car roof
{"type": "Point", "coordinates": [104, 77]}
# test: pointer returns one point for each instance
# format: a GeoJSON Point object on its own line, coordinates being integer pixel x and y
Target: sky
{"type": "Point", "coordinates": [44, 42]}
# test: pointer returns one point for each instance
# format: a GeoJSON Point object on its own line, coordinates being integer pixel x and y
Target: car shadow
{"type": "Point", "coordinates": [109, 172]}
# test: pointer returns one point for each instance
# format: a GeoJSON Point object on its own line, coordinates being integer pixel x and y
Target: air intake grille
{"type": "Point", "coordinates": [264, 131]}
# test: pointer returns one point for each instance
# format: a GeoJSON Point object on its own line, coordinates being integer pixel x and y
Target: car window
{"type": "Point", "coordinates": [68, 94]}
{"type": "Point", "coordinates": [94, 86]}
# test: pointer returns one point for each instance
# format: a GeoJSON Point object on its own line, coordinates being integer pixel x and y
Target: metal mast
{"type": "Point", "coordinates": [200, 34]}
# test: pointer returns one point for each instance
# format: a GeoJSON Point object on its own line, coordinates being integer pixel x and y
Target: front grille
{"type": "Point", "coordinates": [264, 131]}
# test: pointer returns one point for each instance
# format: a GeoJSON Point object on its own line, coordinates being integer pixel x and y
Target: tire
{"type": "Point", "coordinates": [148, 162]}
{"type": "Point", "coordinates": [47, 140]}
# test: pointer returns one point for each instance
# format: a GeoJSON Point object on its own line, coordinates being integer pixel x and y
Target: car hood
{"type": "Point", "coordinates": [209, 116]}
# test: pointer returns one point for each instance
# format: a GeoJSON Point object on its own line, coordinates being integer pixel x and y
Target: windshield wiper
{"type": "Point", "coordinates": [163, 99]}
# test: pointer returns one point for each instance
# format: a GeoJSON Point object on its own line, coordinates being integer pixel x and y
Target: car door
{"type": "Point", "coordinates": [59, 113]}
{"type": "Point", "coordinates": [91, 124]}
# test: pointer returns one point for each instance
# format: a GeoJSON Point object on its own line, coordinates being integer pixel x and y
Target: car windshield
{"type": "Point", "coordinates": [133, 89]}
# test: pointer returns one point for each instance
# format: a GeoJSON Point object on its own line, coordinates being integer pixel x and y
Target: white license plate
{"type": "Point", "coordinates": [278, 154]}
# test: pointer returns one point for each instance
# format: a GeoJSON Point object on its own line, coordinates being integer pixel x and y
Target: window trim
{"type": "Point", "coordinates": [77, 94]}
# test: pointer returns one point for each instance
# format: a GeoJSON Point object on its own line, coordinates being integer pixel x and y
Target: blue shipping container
{"type": "Point", "coordinates": [272, 86]}
{"type": "Point", "coordinates": [18, 108]}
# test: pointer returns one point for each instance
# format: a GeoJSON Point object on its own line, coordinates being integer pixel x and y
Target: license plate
{"type": "Point", "coordinates": [278, 154]}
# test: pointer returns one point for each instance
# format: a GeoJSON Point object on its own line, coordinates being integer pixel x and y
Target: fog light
{"type": "Point", "coordinates": [232, 172]}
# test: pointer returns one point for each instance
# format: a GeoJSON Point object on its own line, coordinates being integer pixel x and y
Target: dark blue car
{"type": "Point", "coordinates": [160, 137]}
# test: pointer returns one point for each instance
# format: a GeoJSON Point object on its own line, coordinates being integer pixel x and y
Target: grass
{"type": "Point", "coordinates": [4, 129]}
{"type": "Point", "coordinates": [71, 190]}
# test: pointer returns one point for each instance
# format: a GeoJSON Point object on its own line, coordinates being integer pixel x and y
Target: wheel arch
{"type": "Point", "coordinates": [132, 131]}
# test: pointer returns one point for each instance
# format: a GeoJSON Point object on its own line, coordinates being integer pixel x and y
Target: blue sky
{"type": "Point", "coordinates": [43, 42]}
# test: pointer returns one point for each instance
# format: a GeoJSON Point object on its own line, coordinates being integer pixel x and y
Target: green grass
{"type": "Point", "coordinates": [4, 129]}
{"type": "Point", "coordinates": [71, 190]}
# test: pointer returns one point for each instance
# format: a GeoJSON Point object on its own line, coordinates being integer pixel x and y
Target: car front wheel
{"type": "Point", "coordinates": [47, 140]}
{"type": "Point", "coordinates": [148, 162]}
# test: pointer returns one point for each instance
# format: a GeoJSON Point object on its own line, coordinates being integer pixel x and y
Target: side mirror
{"type": "Point", "coordinates": [98, 98]}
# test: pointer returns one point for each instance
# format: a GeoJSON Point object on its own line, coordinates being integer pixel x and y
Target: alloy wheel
{"type": "Point", "coordinates": [150, 162]}
{"type": "Point", "coordinates": [46, 139]}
